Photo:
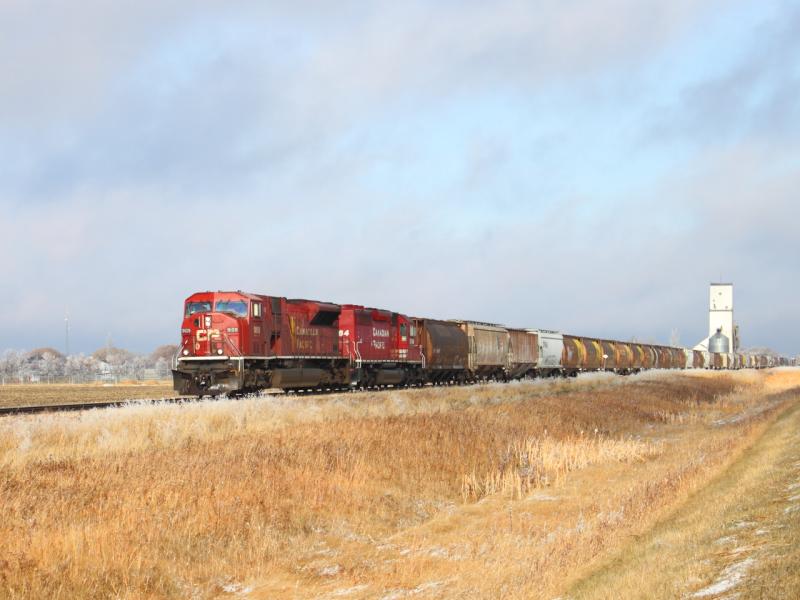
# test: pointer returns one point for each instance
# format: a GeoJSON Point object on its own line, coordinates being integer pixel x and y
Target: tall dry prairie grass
{"type": "Point", "coordinates": [536, 463]}
{"type": "Point", "coordinates": [300, 496]}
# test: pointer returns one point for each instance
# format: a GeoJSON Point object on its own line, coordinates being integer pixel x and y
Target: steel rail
{"type": "Point", "coordinates": [78, 406]}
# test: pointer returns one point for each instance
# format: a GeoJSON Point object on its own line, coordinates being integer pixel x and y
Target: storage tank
{"type": "Point", "coordinates": [719, 343]}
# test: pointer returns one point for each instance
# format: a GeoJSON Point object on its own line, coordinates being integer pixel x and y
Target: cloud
{"type": "Point", "coordinates": [455, 160]}
{"type": "Point", "coordinates": [754, 96]}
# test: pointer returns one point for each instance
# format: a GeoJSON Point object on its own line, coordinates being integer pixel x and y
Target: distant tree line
{"type": "Point", "coordinates": [47, 365]}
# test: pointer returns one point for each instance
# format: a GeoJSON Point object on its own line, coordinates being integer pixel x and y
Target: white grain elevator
{"type": "Point", "coordinates": [720, 315]}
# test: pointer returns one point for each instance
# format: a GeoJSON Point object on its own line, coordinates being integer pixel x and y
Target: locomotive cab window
{"type": "Point", "coordinates": [403, 331]}
{"type": "Point", "coordinates": [257, 309]}
{"type": "Point", "coordinates": [234, 307]}
{"type": "Point", "coordinates": [196, 307]}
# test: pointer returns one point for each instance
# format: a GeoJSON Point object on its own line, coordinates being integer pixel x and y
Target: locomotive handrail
{"type": "Point", "coordinates": [177, 355]}
{"type": "Point", "coordinates": [228, 341]}
{"type": "Point", "coordinates": [358, 354]}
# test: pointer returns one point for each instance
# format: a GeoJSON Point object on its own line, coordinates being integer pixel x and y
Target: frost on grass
{"type": "Point", "coordinates": [405, 593]}
{"type": "Point", "coordinates": [340, 593]}
{"type": "Point", "coordinates": [729, 579]}
{"type": "Point", "coordinates": [236, 588]}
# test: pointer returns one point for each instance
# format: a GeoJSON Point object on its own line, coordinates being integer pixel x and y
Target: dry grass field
{"type": "Point", "coordinates": [530, 490]}
{"type": "Point", "coordinates": [66, 393]}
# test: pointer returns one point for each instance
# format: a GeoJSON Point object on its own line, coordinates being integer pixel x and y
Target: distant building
{"type": "Point", "coordinates": [720, 316]}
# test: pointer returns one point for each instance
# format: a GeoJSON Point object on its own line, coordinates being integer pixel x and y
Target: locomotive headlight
{"type": "Point", "coordinates": [186, 353]}
{"type": "Point", "coordinates": [219, 350]}
{"type": "Point", "coordinates": [208, 321]}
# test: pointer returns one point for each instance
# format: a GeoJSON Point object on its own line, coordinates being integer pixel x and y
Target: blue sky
{"type": "Point", "coordinates": [585, 166]}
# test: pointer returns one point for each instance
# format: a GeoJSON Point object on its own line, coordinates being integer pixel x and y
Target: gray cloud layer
{"type": "Point", "coordinates": [150, 150]}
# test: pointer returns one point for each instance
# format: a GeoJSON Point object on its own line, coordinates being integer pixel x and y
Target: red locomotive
{"type": "Point", "coordinates": [234, 342]}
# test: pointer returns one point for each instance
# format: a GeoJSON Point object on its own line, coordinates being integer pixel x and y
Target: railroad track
{"type": "Point", "coordinates": [77, 406]}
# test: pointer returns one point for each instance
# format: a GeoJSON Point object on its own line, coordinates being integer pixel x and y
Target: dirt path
{"type": "Point", "coordinates": [737, 537]}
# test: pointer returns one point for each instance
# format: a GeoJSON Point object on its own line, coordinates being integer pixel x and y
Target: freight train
{"type": "Point", "coordinates": [235, 343]}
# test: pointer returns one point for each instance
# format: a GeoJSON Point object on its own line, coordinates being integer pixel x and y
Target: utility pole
{"type": "Point", "coordinates": [66, 332]}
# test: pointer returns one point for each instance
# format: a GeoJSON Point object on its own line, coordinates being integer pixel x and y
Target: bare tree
{"type": "Point", "coordinates": [163, 367]}
{"type": "Point", "coordinates": [10, 366]}
{"type": "Point", "coordinates": [167, 351]}
{"type": "Point", "coordinates": [43, 364]}
{"type": "Point", "coordinates": [118, 360]}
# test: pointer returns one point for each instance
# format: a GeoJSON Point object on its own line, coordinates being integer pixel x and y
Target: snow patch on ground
{"type": "Point", "coordinates": [729, 579]}
{"type": "Point", "coordinates": [405, 593]}
{"type": "Point", "coordinates": [237, 588]}
{"type": "Point", "coordinates": [348, 591]}
{"type": "Point", "coordinates": [438, 552]}
{"type": "Point", "coordinates": [728, 539]}
{"type": "Point", "coordinates": [330, 571]}
{"type": "Point", "coordinates": [542, 496]}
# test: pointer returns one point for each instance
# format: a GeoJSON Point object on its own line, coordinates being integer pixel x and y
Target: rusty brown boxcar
{"type": "Point", "coordinates": [444, 348]}
{"type": "Point", "coordinates": [524, 352]}
{"type": "Point", "coordinates": [489, 349]}
{"type": "Point", "coordinates": [698, 361]}
{"type": "Point", "coordinates": [678, 358]}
